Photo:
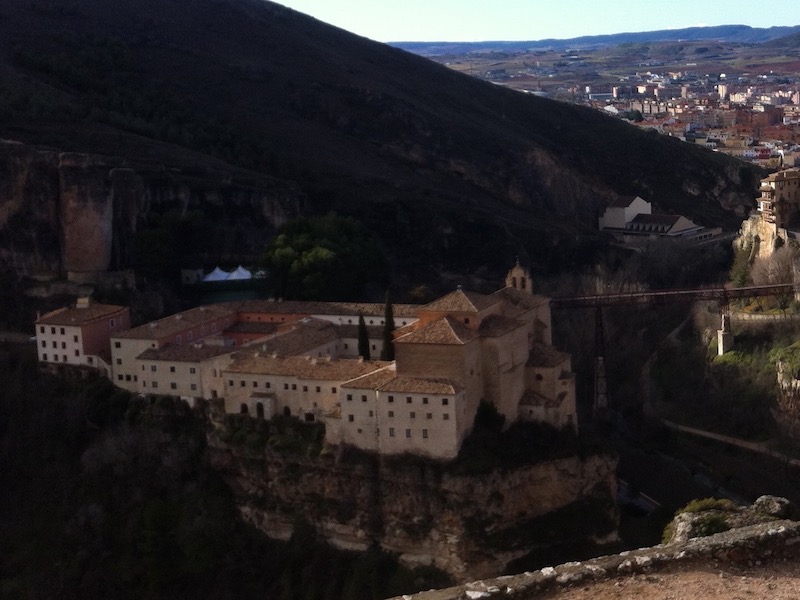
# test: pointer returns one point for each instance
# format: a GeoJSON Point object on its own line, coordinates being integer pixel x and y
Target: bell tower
{"type": "Point", "coordinates": [520, 279]}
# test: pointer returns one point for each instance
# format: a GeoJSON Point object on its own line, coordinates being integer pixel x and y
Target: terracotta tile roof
{"type": "Point", "coordinates": [446, 330]}
{"type": "Point", "coordinates": [79, 316]}
{"type": "Point", "coordinates": [460, 301]}
{"type": "Point", "coordinates": [368, 309]}
{"type": "Point", "coordinates": [179, 322]}
{"type": "Point", "coordinates": [523, 301]}
{"type": "Point", "coordinates": [374, 380]}
{"type": "Point", "coordinates": [304, 336]}
{"type": "Point", "coordinates": [418, 385]}
{"type": "Point", "coordinates": [497, 325]}
{"type": "Point", "coordinates": [531, 398]}
{"type": "Point", "coordinates": [185, 352]}
{"type": "Point", "coordinates": [304, 367]}
{"type": "Point", "coordinates": [546, 356]}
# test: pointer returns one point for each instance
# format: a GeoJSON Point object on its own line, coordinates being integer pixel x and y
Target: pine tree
{"type": "Point", "coordinates": [363, 338]}
{"type": "Point", "coordinates": [387, 352]}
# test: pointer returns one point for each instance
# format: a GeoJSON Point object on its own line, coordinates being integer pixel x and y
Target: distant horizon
{"type": "Point", "coordinates": [467, 21]}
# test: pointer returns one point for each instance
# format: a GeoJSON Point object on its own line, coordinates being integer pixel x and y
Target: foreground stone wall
{"type": "Point", "coordinates": [746, 546]}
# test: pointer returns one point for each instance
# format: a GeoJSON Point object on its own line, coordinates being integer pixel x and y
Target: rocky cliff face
{"type": "Point", "coordinates": [467, 525]}
{"type": "Point", "coordinates": [76, 215]}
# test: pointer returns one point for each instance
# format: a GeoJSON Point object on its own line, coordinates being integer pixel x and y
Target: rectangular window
{"type": "Point", "coordinates": [55, 344]}
{"type": "Point", "coordinates": [173, 386]}
{"type": "Point", "coordinates": [446, 417]}
{"type": "Point", "coordinates": [90, 360]}
{"type": "Point", "coordinates": [425, 433]}
{"type": "Point", "coordinates": [350, 418]}
{"type": "Point", "coordinates": [155, 384]}
{"type": "Point", "coordinates": [172, 369]}
{"type": "Point", "coordinates": [230, 382]}
{"type": "Point", "coordinates": [286, 386]}
{"type": "Point", "coordinates": [318, 389]}
{"type": "Point", "coordinates": [119, 361]}
{"type": "Point", "coordinates": [391, 431]}
{"type": "Point", "coordinates": [53, 330]}
{"type": "Point", "coordinates": [408, 399]}
{"type": "Point", "coordinates": [391, 398]}
{"type": "Point", "coordinates": [241, 383]}
{"type": "Point", "coordinates": [144, 384]}
{"type": "Point", "coordinates": [268, 385]}
{"type": "Point", "coordinates": [127, 377]}
{"type": "Point", "coordinates": [445, 402]}
{"type": "Point", "coordinates": [119, 377]}
{"type": "Point", "coordinates": [65, 357]}
{"type": "Point", "coordinates": [408, 433]}
{"type": "Point", "coordinates": [305, 388]}
{"type": "Point", "coordinates": [333, 390]}
{"type": "Point", "coordinates": [55, 357]}
{"type": "Point", "coordinates": [153, 368]}
{"type": "Point", "coordinates": [294, 386]}
{"type": "Point", "coordinates": [359, 430]}
{"type": "Point", "coordinates": [62, 331]}
{"type": "Point", "coordinates": [41, 329]}
{"type": "Point", "coordinates": [142, 367]}
{"type": "Point", "coordinates": [193, 386]}
{"type": "Point", "coordinates": [44, 344]}
{"type": "Point", "coordinates": [192, 370]}
{"type": "Point", "coordinates": [391, 414]}
{"type": "Point", "coordinates": [117, 345]}
{"type": "Point", "coordinates": [370, 413]}
{"type": "Point", "coordinates": [255, 384]}
{"type": "Point", "coordinates": [412, 415]}
{"type": "Point", "coordinates": [424, 400]}
{"type": "Point", "coordinates": [77, 352]}
{"type": "Point", "coordinates": [349, 397]}
{"type": "Point", "coordinates": [363, 398]}
{"type": "Point", "coordinates": [428, 415]}
{"type": "Point", "coordinates": [63, 345]}
{"type": "Point", "coordinates": [75, 338]}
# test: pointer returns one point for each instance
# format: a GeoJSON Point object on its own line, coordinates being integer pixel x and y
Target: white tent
{"type": "Point", "coordinates": [240, 273]}
{"type": "Point", "coordinates": [216, 275]}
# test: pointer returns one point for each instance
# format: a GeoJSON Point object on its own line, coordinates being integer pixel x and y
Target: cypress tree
{"type": "Point", "coordinates": [363, 338]}
{"type": "Point", "coordinates": [387, 352]}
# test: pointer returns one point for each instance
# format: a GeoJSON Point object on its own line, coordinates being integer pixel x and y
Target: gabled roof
{"type": "Point", "coordinates": [623, 202]}
{"type": "Point", "coordinates": [460, 301]}
{"type": "Point", "coordinates": [446, 330]}
{"type": "Point", "coordinates": [498, 325]}
{"type": "Point", "coordinates": [546, 356]}
{"type": "Point", "coordinates": [667, 220]}
{"type": "Point", "coordinates": [519, 299]}
{"type": "Point", "coordinates": [79, 316]}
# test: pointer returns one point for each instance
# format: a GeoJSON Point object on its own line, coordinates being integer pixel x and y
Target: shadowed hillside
{"type": "Point", "coordinates": [451, 172]}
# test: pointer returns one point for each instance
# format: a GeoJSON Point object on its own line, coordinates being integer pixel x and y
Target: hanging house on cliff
{"type": "Point", "coordinates": [777, 216]}
{"type": "Point", "coordinates": [265, 358]}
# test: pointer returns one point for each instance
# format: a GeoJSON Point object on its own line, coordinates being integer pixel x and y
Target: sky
{"type": "Point", "coordinates": [512, 20]}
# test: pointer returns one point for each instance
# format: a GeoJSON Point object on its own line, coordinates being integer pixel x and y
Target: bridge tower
{"type": "Point", "coordinates": [600, 405]}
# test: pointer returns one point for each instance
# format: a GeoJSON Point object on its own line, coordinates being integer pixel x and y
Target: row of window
{"type": "Point", "coordinates": [408, 433]}
{"type": "Point", "coordinates": [268, 385]}
{"type": "Point", "coordinates": [409, 399]}
{"type": "Point", "coordinates": [55, 356]}
{"type": "Point", "coordinates": [411, 415]}
{"type": "Point", "coordinates": [154, 368]}
{"type": "Point", "coordinates": [63, 344]}
{"type": "Point", "coordinates": [172, 385]}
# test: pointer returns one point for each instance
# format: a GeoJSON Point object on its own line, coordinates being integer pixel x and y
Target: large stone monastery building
{"type": "Point", "coordinates": [264, 358]}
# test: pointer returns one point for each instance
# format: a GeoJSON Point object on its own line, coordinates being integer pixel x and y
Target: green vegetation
{"type": "Point", "coordinates": [106, 495]}
{"type": "Point", "coordinates": [713, 521]}
{"type": "Point", "coordinates": [287, 435]}
{"type": "Point", "coordinates": [324, 258]}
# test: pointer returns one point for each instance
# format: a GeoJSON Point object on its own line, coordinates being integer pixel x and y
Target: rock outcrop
{"type": "Point", "coordinates": [75, 215]}
{"type": "Point", "coordinates": [467, 525]}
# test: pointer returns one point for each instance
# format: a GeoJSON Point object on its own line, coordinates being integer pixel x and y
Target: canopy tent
{"type": "Point", "coordinates": [240, 273]}
{"type": "Point", "coordinates": [216, 275]}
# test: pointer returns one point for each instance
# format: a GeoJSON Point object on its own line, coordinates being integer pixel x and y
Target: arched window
{"type": "Point", "coordinates": [260, 410]}
{"type": "Point", "coordinates": [522, 283]}
{"type": "Point", "coordinates": [243, 409]}
{"type": "Point", "coordinates": [514, 282]}
{"type": "Point", "coordinates": [286, 411]}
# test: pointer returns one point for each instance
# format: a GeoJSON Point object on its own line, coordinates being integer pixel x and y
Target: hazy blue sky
{"type": "Point", "coordinates": [481, 20]}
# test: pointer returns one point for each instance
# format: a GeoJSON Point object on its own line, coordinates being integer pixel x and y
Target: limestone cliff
{"type": "Point", "coordinates": [467, 525]}
{"type": "Point", "coordinates": [76, 214]}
